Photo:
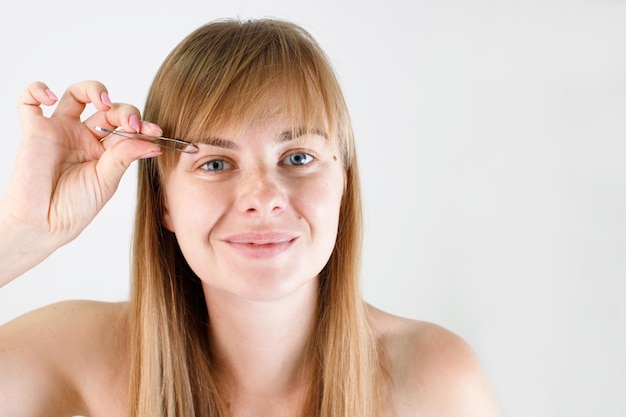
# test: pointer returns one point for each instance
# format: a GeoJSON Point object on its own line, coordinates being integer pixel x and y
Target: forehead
{"type": "Point", "coordinates": [275, 134]}
{"type": "Point", "coordinates": [277, 115]}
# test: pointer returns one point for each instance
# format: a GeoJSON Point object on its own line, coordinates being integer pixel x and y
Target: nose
{"type": "Point", "coordinates": [260, 194]}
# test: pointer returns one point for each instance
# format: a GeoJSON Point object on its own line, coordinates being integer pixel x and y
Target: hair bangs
{"type": "Point", "coordinates": [241, 72]}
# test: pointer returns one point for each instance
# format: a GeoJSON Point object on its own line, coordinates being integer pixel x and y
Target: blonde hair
{"type": "Point", "coordinates": [221, 73]}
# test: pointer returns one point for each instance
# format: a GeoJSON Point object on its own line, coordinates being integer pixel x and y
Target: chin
{"type": "Point", "coordinates": [263, 287]}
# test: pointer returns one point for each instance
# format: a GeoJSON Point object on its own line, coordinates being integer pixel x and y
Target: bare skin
{"type": "Point", "coordinates": [72, 358]}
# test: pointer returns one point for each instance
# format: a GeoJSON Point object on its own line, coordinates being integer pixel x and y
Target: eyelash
{"type": "Point", "coordinates": [310, 158]}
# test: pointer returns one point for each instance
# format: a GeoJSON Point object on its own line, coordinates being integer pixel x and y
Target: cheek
{"type": "Point", "coordinates": [193, 210]}
{"type": "Point", "coordinates": [195, 214]}
{"type": "Point", "coordinates": [320, 203]}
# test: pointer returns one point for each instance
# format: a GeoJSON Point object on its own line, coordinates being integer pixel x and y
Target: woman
{"type": "Point", "coordinates": [245, 296]}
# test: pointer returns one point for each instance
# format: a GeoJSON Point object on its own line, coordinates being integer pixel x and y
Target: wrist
{"type": "Point", "coordinates": [22, 246]}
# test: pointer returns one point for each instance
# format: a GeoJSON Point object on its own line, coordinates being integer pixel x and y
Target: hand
{"type": "Point", "coordinates": [64, 175]}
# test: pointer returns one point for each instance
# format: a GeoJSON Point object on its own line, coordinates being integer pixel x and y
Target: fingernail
{"type": "Point", "coordinates": [135, 123]}
{"type": "Point", "coordinates": [105, 98]}
{"type": "Point", "coordinates": [50, 94]}
{"type": "Point", "coordinates": [151, 154]}
{"type": "Point", "coordinates": [154, 126]}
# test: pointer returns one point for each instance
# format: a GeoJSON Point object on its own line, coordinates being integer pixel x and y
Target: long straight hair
{"type": "Point", "coordinates": [222, 73]}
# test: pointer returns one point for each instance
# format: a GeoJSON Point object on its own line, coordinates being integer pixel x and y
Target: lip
{"type": "Point", "coordinates": [261, 245]}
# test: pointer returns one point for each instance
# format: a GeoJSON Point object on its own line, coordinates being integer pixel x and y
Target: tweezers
{"type": "Point", "coordinates": [165, 143]}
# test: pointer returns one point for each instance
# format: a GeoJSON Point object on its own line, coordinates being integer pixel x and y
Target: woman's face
{"type": "Point", "coordinates": [256, 210]}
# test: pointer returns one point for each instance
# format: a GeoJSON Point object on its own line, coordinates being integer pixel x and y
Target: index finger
{"type": "Point", "coordinates": [32, 98]}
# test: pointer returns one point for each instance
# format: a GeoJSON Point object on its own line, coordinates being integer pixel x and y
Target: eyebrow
{"type": "Point", "coordinates": [296, 133]}
{"type": "Point", "coordinates": [285, 136]}
{"type": "Point", "coordinates": [218, 142]}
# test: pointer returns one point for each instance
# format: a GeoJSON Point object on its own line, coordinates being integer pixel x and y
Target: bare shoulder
{"type": "Point", "coordinates": [432, 371]}
{"type": "Point", "coordinates": [59, 359]}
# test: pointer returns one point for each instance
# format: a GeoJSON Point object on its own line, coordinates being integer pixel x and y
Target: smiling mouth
{"type": "Point", "coordinates": [266, 238]}
{"type": "Point", "coordinates": [261, 245]}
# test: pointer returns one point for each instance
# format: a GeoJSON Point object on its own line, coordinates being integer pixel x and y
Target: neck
{"type": "Point", "coordinates": [262, 345]}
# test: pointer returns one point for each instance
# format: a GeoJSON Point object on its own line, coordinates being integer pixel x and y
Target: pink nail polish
{"type": "Point", "coordinates": [105, 98]}
{"type": "Point", "coordinates": [156, 129]}
{"type": "Point", "coordinates": [134, 122]}
{"type": "Point", "coordinates": [150, 155]}
{"type": "Point", "coordinates": [50, 94]}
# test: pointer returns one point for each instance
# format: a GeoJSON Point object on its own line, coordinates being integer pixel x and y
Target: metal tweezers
{"type": "Point", "coordinates": [172, 144]}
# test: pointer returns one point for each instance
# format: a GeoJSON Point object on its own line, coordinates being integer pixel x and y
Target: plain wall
{"type": "Point", "coordinates": [492, 146]}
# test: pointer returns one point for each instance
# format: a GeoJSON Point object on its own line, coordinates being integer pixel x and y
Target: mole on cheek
{"type": "Point", "coordinates": [334, 157]}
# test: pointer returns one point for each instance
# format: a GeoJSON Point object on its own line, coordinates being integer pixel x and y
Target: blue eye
{"type": "Point", "coordinates": [298, 159]}
{"type": "Point", "coordinates": [216, 165]}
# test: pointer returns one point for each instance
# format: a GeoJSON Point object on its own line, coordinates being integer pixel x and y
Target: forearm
{"type": "Point", "coordinates": [21, 248]}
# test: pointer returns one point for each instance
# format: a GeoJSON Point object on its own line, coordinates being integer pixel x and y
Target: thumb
{"type": "Point", "coordinates": [114, 162]}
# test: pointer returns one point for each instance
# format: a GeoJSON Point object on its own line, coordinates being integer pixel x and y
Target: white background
{"type": "Point", "coordinates": [492, 141]}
